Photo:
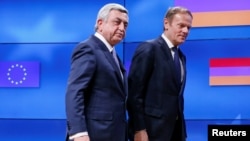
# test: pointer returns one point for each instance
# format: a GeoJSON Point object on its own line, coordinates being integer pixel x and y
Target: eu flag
{"type": "Point", "coordinates": [19, 74]}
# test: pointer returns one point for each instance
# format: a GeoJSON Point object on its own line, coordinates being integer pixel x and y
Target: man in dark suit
{"type": "Point", "coordinates": [156, 84]}
{"type": "Point", "coordinates": [97, 88]}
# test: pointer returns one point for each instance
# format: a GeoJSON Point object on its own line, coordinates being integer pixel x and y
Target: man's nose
{"type": "Point", "coordinates": [186, 29]}
{"type": "Point", "coordinates": [122, 26]}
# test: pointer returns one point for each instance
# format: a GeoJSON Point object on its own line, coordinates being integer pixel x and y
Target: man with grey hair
{"type": "Point", "coordinates": [156, 82]}
{"type": "Point", "coordinates": [97, 86]}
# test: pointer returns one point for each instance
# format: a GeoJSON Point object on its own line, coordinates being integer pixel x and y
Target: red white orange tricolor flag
{"type": "Point", "coordinates": [229, 71]}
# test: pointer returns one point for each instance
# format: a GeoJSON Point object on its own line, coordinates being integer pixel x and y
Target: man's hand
{"type": "Point", "coordinates": [82, 138]}
{"type": "Point", "coordinates": [141, 136]}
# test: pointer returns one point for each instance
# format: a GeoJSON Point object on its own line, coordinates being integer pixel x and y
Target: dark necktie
{"type": "Point", "coordinates": [177, 63]}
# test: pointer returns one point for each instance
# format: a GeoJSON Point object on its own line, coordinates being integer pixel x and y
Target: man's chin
{"type": "Point", "coordinates": [118, 39]}
{"type": "Point", "coordinates": [182, 40]}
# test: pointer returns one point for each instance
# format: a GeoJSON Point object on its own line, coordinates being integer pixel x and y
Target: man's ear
{"type": "Point", "coordinates": [166, 23]}
{"type": "Point", "coordinates": [99, 25]}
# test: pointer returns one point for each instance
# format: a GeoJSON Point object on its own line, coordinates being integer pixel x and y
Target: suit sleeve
{"type": "Point", "coordinates": [139, 75]}
{"type": "Point", "coordinates": [81, 72]}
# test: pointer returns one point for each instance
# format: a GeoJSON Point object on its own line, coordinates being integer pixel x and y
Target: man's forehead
{"type": "Point", "coordinates": [122, 16]}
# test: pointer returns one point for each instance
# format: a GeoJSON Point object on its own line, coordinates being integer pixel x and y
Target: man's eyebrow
{"type": "Point", "coordinates": [120, 19]}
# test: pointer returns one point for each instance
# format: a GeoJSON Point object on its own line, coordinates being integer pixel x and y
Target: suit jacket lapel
{"type": "Point", "coordinates": [111, 60]}
{"type": "Point", "coordinates": [165, 48]}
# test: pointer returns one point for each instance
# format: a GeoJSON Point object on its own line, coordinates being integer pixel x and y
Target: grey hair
{"type": "Point", "coordinates": [105, 10]}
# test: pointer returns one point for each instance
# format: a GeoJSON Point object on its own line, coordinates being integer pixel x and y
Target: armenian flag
{"type": "Point", "coordinates": [229, 71]}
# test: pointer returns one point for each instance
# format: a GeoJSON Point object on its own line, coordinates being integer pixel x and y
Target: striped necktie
{"type": "Point", "coordinates": [113, 52]}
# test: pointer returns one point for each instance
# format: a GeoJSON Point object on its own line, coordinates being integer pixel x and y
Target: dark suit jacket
{"type": "Point", "coordinates": [155, 97]}
{"type": "Point", "coordinates": [96, 93]}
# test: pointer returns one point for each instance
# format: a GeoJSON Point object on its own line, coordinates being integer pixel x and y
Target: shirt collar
{"type": "Point", "coordinates": [170, 45]}
{"type": "Point", "coordinates": [99, 36]}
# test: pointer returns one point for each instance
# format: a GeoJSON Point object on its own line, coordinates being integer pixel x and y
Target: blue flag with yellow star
{"type": "Point", "coordinates": [19, 74]}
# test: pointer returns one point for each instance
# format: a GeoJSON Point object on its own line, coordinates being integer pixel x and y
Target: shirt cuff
{"type": "Point", "coordinates": [78, 135]}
